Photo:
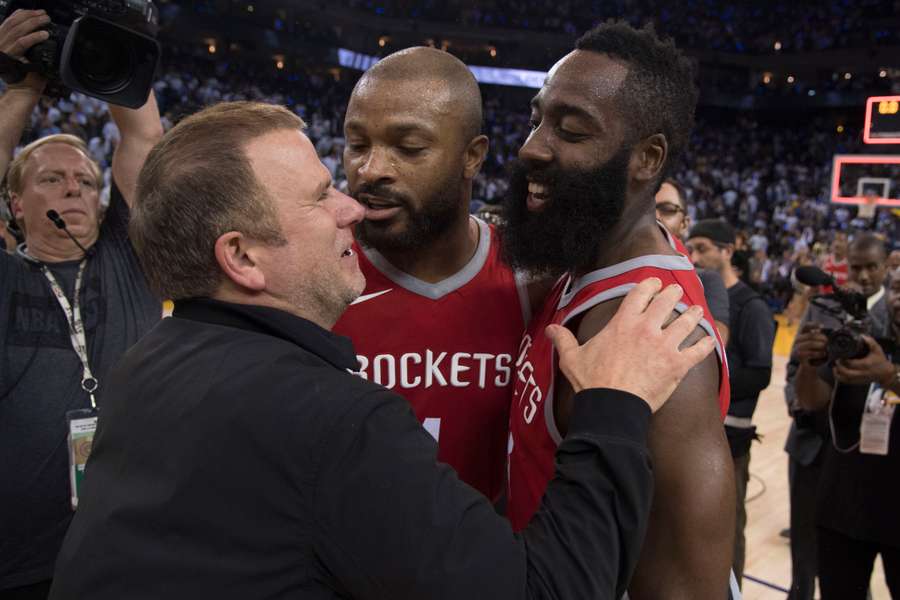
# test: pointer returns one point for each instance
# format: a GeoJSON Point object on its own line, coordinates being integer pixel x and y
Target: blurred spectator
{"type": "Point", "coordinates": [836, 263]}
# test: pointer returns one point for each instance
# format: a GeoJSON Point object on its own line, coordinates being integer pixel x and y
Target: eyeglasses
{"type": "Point", "coordinates": [669, 209]}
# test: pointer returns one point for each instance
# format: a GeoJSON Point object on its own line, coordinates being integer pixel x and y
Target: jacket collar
{"type": "Point", "coordinates": [332, 348]}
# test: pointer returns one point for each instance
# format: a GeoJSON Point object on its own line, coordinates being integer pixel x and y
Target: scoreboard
{"type": "Point", "coordinates": [882, 120]}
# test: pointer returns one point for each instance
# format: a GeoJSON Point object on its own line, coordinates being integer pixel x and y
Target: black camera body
{"type": "Point", "coordinates": [849, 307]}
{"type": "Point", "coordinates": [847, 341]}
{"type": "Point", "coordinates": [102, 48]}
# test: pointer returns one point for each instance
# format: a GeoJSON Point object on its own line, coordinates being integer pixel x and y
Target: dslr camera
{"type": "Point", "coordinates": [848, 307]}
{"type": "Point", "coordinates": [102, 48]}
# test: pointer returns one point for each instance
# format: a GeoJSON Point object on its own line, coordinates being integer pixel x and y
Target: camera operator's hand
{"type": "Point", "coordinates": [633, 352]}
{"type": "Point", "coordinates": [872, 368]}
{"type": "Point", "coordinates": [810, 346]}
{"type": "Point", "coordinates": [18, 33]}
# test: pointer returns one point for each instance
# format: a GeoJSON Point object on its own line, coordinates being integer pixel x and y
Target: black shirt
{"type": "Point", "coordinates": [236, 457]}
{"type": "Point", "coordinates": [749, 349]}
{"type": "Point", "coordinates": [40, 380]}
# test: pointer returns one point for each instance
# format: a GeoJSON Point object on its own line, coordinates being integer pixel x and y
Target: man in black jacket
{"type": "Point", "coordinates": [238, 456]}
{"type": "Point", "coordinates": [809, 435]}
{"type": "Point", "coordinates": [856, 494]}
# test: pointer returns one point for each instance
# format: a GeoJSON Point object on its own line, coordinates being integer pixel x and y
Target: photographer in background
{"type": "Point", "coordinates": [857, 498]}
{"type": "Point", "coordinates": [76, 299]}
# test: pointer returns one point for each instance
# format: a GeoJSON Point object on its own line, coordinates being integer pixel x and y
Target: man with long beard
{"type": "Point", "coordinates": [441, 315]}
{"type": "Point", "coordinates": [610, 120]}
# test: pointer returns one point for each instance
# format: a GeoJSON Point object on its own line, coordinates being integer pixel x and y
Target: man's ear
{"type": "Point", "coordinates": [17, 210]}
{"type": "Point", "coordinates": [728, 251]}
{"type": "Point", "coordinates": [476, 152]}
{"type": "Point", "coordinates": [15, 206]}
{"type": "Point", "coordinates": [649, 158]}
{"type": "Point", "coordinates": [235, 257]}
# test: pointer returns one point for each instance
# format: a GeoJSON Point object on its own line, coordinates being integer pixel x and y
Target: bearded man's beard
{"type": "Point", "coordinates": [421, 225]}
{"type": "Point", "coordinates": [581, 210]}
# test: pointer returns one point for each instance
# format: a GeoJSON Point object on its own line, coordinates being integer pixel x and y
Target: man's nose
{"type": "Point", "coordinates": [535, 149]}
{"type": "Point", "coordinates": [377, 166]}
{"type": "Point", "coordinates": [348, 211]}
{"type": "Point", "coordinates": [73, 186]}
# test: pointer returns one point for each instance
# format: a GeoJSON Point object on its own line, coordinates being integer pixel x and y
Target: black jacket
{"type": "Point", "coordinates": [236, 457]}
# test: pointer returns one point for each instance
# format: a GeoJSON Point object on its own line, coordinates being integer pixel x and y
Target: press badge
{"type": "Point", "coordinates": [82, 425]}
{"type": "Point", "coordinates": [875, 430]}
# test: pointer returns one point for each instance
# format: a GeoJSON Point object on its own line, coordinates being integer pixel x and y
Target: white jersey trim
{"type": "Point", "coordinates": [610, 294]}
{"type": "Point", "coordinates": [666, 262]}
{"type": "Point", "coordinates": [525, 302]}
{"type": "Point", "coordinates": [436, 291]}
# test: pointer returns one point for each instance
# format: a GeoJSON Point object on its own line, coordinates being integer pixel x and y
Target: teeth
{"type": "Point", "coordinates": [537, 189]}
{"type": "Point", "coordinates": [348, 252]}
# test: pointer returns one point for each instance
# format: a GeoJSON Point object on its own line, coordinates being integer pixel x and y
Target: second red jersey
{"type": "Point", "coordinates": [534, 435]}
{"type": "Point", "coordinates": [838, 269]}
{"type": "Point", "coordinates": [448, 348]}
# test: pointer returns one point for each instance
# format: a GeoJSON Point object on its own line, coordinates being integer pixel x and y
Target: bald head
{"type": "Point", "coordinates": [438, 78]}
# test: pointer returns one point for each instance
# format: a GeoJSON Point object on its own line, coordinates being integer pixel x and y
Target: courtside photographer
{"type": "Point", "coordinates": [847, 367]}
{"type": "Point", "coordinates": [74, 299]}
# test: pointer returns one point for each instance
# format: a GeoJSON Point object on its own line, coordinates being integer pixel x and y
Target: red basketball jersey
{"type": "Point", "coordinates": [448, 348]}
{"type": "Point", "coordinates": [534, 435]}
{"type": "Point", "coordinates": [839, 270]}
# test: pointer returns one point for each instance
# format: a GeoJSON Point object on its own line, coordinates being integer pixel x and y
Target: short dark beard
{"type": "Point", "coordinates": [566, 235]}
{"type": "Point", "coordinates": [436, 216]}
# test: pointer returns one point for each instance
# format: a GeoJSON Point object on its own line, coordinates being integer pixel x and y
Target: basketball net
{"type": "Point", "coordinates": [867, 209]}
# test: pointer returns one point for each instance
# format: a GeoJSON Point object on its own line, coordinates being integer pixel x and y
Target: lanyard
{"type": "Point", "coordinates": [76, 327]}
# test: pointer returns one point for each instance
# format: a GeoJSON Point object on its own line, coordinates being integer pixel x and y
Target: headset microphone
{"type": "Point", "coordinates": [58, 221]}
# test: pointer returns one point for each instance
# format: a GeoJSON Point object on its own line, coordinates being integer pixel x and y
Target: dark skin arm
{"type": "Point", "coordinates": [688, 549]}
{"type": "Point", "coordinates": [810, 351]}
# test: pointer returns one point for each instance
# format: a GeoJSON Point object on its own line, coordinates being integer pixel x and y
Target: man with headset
{"type": "Point", "coordinates": [74, 299]}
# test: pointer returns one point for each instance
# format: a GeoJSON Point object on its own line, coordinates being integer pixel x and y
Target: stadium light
{"type": "Point", "coordinates": [487, 75]}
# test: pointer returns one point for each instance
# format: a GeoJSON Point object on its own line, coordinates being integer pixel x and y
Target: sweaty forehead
{"type": "Point", "coordinates": [55, 156]}
{"type": "Point", "coordinates": [700, 242]}
{"type": "Point", "coordinates": [668, 193]}
{"type": "Point", "coordinates": [865, 257]}
{"type": "Point", "coordinates": [583, 78]}
{"type": "Point", "coordinates": [387, 100]}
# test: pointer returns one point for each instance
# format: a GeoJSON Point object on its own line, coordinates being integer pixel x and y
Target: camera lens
{"type": "Point", "coordinates": [103, 60]}
{"type": "Point", "coordinates": [845, 344]}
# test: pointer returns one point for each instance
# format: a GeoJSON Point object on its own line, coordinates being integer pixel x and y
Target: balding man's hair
{"type": "Point", "coordinates": [197, 184]}
{"type": "Point", "coordinates": [15, 176]}
{"type": "Point", "coordinates": [424, 63]}
{"type": "Point", "coordinates": [865, 241]}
